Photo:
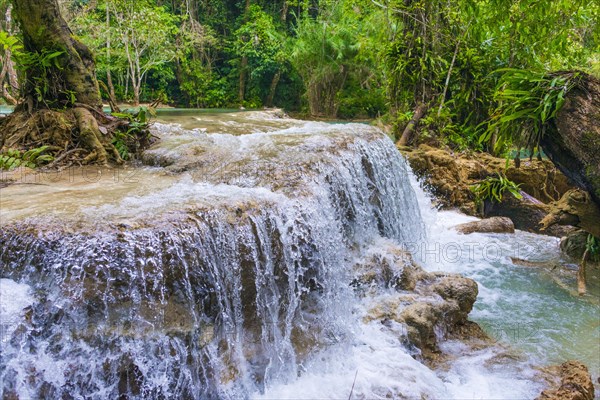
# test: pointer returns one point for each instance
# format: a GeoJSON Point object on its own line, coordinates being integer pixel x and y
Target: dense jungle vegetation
{"type": "Point", "coordinates": [458, 66]}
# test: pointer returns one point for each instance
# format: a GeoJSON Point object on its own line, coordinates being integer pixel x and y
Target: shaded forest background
{"type": "Point", "coordinates": [448, 63]}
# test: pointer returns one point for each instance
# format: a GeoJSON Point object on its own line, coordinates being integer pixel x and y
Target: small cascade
{"type": "Point", "coordinates": [219, 274]}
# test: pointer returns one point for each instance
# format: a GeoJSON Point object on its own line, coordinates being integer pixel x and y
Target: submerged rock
{"type": "Point", "coordinates": [488, 225]}
{"type": "Point", "coordinates": [571, 381]}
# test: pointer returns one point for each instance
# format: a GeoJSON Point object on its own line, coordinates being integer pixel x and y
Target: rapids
{"type": "Point", "coordinates": [221, 268]}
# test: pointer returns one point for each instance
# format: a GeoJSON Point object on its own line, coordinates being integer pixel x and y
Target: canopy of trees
{"type": "Point", "coordinates": [447, 60]}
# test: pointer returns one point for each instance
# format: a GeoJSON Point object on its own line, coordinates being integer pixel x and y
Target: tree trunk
{"type": "Point", "coordinates": [13, 81]}
{"type": "Point", "coordinates": [4, 92]}
{"type": "Point", "coordinates": [443, 98]}
{"type": "Point", "coordinates": [272, 89]}
{"type": "Point", "coordinates": [8, 74]}
{"type": "Point", "coordinates": [573, 142]}
{"type": "Point", "coordinates": [44, 29]}
{"type": "Point", "coordinates": [243, 68]}
{"type": "Point", "coordinates": [136, 95]}
{"type": "Point", "coordinates": [284, 11]}
{"type": "Point", "coordinates": [575, 208]}
{"type": "Point", "coordinates": [109, 82]}
{"type": "Point", "coordinates": [412, 124]}
{"type": "Point", "coordinates": [62, 107]}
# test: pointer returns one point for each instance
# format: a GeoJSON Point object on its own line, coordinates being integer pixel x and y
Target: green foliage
{"type": "Point", "coordinates": [493, 188]}
{"type": "Point", "coordinates": [527, 102]}
{"type": "Point", "coordinates": [42, 70]}
{"type": "Point", "coordinates": [11, 158]}
{"type": "Point", "coordinates": [350, 58]}
{"type": "Point", "coordinates": [323, 54]}
{"type": "Point", "coordinates": [131, 40]}
{"type": "Point", "coordinates": [10, 43]}
{"type": "Point", "coordinates": [443, 53]}
{"type": "Point", "coordinates": [593, 247]}
{"type": "Point", "coordinates": [136, 133]}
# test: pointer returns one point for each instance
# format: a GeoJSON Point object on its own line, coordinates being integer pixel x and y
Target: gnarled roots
{"type": "Point", "coordinates": [81, 135]}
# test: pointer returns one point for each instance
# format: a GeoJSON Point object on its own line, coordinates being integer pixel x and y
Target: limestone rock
{"type": "Point", "coordinates": [462, 290]}
{"type": "Point", "coordinates": [488, 225]}
{"type": "Point", "coordinates": [448, 175]}
{"type": "Point", "coordinates": [436, 306]}
{"type": "Point", "coordinates": [396, 269]}
{"type": "Point", "coordinates": [573, 382]}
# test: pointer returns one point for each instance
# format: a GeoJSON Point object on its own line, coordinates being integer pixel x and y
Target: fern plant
{"type": "Point", "coordinates": [33, 158]}
{"type": "Point", "coordinates": [493, 189]}
{"type": "Point", "coordinates": [527, 102]}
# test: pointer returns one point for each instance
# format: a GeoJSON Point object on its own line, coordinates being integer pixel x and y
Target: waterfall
{"type": "Point", "coordinates": [220, 282]}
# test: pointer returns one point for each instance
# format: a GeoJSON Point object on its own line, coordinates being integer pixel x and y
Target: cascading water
{"type": "Point", "coordinates": [224, 271]}
{"type": "Point", "coordinates": [200, 288]}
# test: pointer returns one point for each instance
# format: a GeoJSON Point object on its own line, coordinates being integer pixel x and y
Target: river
{"type": "Point", "coordinates": [221, 269]}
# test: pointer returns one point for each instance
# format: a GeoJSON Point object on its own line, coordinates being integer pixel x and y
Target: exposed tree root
{"type": "Point", "coordinates": [81, 135]}
{"type": "Point", "coordinates": [575, 208]}
{"type": "Point", "coordinates": [581, 278]}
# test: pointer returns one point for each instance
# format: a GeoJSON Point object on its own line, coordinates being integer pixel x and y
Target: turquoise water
{"type": "Point", "coordinates": [533, 309]}
{"type": "Point", "coordinates": [6, 109]}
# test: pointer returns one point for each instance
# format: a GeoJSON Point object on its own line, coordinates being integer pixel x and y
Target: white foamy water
{"type": "Point", "coordinates": [523, 307]}
{"type": "Point", "coordinates": [14, 298]}
{"type": "Point", "coordinates": [372, 363]}
{"type": "Point", "coordinates": [224, 301]}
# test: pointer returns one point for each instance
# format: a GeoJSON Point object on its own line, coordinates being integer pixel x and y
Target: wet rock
{"type": "Point", "coordinates": [470, 331]}
{"type": "Point", "coordinates": [572, 381]}
{"type": "Point", "coordinates": [394, 269]}
{"type": "Point", "coordinates": [431, 306]}
{"type": "Point", "coordinates": [131, 379]}
{"type": "Point", "coordinates": [421, 319]}
{"type": "Point", "coordinates": [446, 176]}
{"type": "Point", "coordinates": [488, 225]}
{"type": "Point", "coordinates": [574, 244]}
{"type": "Point", "coordinates": [526, 214]}
{"type": "Point", "coordinates": [460, 289]}
{"type": "Point", "coordinates": [449, 175]}
{"type": "Point", "coordinates": [430, 321]}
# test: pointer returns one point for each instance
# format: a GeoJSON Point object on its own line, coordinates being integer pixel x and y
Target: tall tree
{"type": "Point", "coordinates": [147, 34]}
{"type": "Point", "coordinates": [72, 73]}
{"type": "Point", "coordinates": [9, 85]}
{"type": "Point", "coordinates": [61, 104]}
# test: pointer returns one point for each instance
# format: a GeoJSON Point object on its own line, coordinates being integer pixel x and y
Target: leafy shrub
{"type": "Point", "coordinates": [33, 158]}
{"type": "Point", "coordinates": [527, 102]}
{"type": "Point", "coordinates": [493, 188]}
{"type": "Point", "coordinates": [593, 247]}
{"type": "Point", "coordinates": [136, 136]}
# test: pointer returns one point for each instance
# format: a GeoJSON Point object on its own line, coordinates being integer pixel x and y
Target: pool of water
{"type": "Point", "coordinates": [534, 309]}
